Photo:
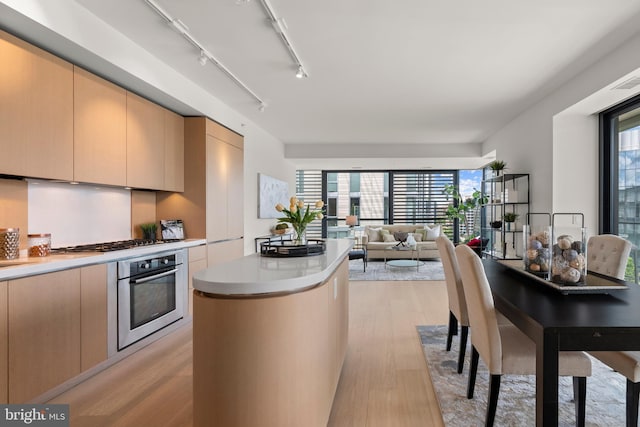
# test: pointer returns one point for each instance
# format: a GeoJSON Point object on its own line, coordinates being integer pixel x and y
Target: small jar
{"type": "Point", "coordinates": [39, 244]}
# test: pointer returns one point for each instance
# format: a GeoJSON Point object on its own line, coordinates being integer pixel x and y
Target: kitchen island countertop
{"type": "Point", "coordinates": [255, 275]}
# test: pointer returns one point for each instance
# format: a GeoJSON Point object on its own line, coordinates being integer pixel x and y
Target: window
{"type": "Point", "coordinates": [620, 176]}
{"type": "Point", "coordinates": [378, 197]}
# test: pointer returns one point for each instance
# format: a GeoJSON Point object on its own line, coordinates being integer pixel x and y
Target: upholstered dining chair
{"type": "Point", "coordinates": [504, 348]}
{"type": "Point", "coordinates": [608, 254]}
{"type": "Point", "coordinates": [455, 294]}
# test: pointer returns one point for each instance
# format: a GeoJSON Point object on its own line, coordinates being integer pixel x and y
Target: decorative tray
{"type": "Point", "coordinates": [288, 248]}
{"type": "Point", "coordinates": [595, 283]}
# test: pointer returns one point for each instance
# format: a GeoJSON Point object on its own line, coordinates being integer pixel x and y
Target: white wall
{"type": "Point", "coordinates": [82, 32]}
{"type": "Point", "coordinates": [556, 140]}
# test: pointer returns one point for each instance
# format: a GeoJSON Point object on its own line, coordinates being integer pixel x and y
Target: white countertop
{"type": "Point", "coordinates": [260, 275]}
{"type": "Point", "coordinates": [29, 266]}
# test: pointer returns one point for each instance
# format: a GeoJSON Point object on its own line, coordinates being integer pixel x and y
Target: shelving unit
{"type": "Point", "coordinates": [505, 193]}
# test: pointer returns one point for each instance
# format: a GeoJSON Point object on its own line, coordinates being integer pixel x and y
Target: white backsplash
{"type": "Point", "coordinates": [78, 214]}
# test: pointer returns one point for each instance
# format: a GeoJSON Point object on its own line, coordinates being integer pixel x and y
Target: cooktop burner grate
{"type": "Point", "coordinates": [109, 246]}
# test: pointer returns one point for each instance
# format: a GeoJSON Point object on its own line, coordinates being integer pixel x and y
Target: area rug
{"type": "Point", "coordinates": [516, 403]}
{"type": "Point", "coordinates": [430, 270]}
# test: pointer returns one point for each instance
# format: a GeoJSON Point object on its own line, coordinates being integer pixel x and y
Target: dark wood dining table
{"type": "Point", "coordinates": [557, 322]}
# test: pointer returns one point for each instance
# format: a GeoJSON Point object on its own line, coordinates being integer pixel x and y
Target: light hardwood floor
{"type": "Point", "coordinates": [384, 380]}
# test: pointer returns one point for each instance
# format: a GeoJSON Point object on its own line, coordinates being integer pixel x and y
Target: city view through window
{"type": "Point", "coordinates": [383, 197]}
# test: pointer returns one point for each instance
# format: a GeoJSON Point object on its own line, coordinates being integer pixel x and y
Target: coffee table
{"type": "Point", "coordinates": [412, 261]}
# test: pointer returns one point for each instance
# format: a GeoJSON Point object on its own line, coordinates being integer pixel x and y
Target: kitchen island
{"type": "Point", "coordinates": [269, 338]}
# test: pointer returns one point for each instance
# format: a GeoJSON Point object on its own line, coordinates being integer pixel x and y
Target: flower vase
{"type": "Point", "coordinates": [301, 234]}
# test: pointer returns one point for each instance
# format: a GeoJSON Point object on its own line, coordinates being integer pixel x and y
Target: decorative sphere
{"type": "Point", "coordinates": [534, 267]}
{"type": "Point", "coordinates": [570, 275]}
{"type": "Point", "coordinates": [535, 244]}
{"type": "Point", "coordinates": [564, 242]}
{"type": "Point", "coordinates": [532, 254]}
{"type": "Point", "coordinates": [543, 237]}
{"type": "Point", "coordinates": [570, 254]}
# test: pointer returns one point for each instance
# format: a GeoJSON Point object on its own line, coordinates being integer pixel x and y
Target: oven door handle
{"type": "Point", "coordinates": [155, 276]}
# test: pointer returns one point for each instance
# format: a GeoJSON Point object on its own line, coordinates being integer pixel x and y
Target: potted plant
{"type": "Point", "coordinates": [462, 207]}
{"type": "Point", "coordinates": [149, 231]}
{"type": "Point", "coordinates": [299, 217]}
{"type": "Point", "coordinates": [497, 166]}
{"type": "Point", "coordinates": [509, 218]}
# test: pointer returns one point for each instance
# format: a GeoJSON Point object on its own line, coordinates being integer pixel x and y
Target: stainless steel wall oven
{"type": "Point", "coordinates": [151, 294]}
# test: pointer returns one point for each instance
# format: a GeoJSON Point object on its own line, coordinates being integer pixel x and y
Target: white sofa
{"type": "Point", "coordinates": [425, 235]}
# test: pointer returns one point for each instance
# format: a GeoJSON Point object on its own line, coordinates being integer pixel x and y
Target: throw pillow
{"type": "Point", "coordinates": [400, 236]}
{"type": "Point", "coordinates": [374, 234]}
{"type": "Point", "coordinates": [432, 233]}
{"type": "Point", "coordinates": [420, 232]}
{"type": "Point", "coordinates": [388, 238]}
{"type": "Point", "coordinates": [417, 236]}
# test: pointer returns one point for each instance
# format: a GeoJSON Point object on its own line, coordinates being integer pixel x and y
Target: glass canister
{"type": "Point", "coordinates": [39, 244]}
{"type": "Point", "coordinates": [569, 261]}
{"type": "Point", "coordinates": [537, 243]}
{"type": "Point", "coordinates": [9, 243]}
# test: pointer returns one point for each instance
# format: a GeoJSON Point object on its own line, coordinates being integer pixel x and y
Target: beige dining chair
{"type": "Point", "coordinates": [455, 293]}
{"type": "Point", "coordinates": [608, 254]}
{"type": "Point", "coordinates": [504, 348]}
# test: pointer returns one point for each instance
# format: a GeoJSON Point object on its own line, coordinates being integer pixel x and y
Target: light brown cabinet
{"type": "Point", "coordinates": [212, 204]}
{"type": "Point", "coordinates": [173, 151]}
{"type": "Point", "coordinates": [93, 315]}
{"type": "Point", "coordinates": [145, 143]}
{"type": "Point", "coordinates": [197, 262]}
{"type": "Point", "coordinates": [44, 333]}
{"type": "Point", "coordinates": [57, 328]}
{"type": "Point", "coordinates": [61, 122]}
{"type": "Point", "coordinates": [36, 112]}
{"type": "Point", "coordinates": [4, 347]}
{"type": "Point", "coordinates": [155, 146]}
{"type": "Point", "coordinates": [100, 130]}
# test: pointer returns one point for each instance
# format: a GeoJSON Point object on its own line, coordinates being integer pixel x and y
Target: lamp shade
{"type": "Point", "coordinates": [351, 220]}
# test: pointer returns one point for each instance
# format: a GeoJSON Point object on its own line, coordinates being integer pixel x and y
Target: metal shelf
{"type": "Point", "coordinates": [512, 191]}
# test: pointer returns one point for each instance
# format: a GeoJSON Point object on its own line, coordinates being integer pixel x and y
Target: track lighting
{"type": "Point", "coordinates": [205, 55]}
{"type": "Point", "coordinates": [280, 27]}
{"type": "Point", "coordinates": [262, 107]}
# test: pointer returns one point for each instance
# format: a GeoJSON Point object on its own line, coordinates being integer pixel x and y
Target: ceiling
{"type": "Point", "coordinates": [380, 72]}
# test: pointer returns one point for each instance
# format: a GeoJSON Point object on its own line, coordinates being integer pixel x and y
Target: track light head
{"type": "Point", "coordinates": [203, 58]}
{"type": "Point", "coordinates": [301, 74]}
{"type": "Point", "coordinates": [262, 107]}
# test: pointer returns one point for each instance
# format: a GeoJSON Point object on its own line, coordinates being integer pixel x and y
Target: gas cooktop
{"type": "Point", "coordinates": [109, 246]}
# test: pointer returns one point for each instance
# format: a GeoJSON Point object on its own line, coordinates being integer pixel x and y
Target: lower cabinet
{"type": "Point", "coordinates": [93, 315]}
{"type": "Point", "coordinates": [4, 348]}
{"type": "Point", "coordinates": [44, 333]}
{"type": "Point", "coordinates": [197, 262]}
{"type": "Point", "coordinates": [57, 328]}
{"type": "Point", "coordinates": [225, 251]}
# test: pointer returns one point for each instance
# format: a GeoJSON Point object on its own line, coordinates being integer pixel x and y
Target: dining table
{"type": "Point", "coordinates": [604, 317]}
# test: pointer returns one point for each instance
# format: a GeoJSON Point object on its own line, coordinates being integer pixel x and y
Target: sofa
{"type": "Point", "coordinates": [378, 237]}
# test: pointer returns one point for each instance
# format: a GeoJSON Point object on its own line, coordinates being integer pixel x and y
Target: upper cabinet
{"type": "Point", "coordinates": [36, 112]}
{"type": "Point", "coordinates": [173, 151]}
{"type": "Point", "coordinates": [155, 146]}
{"type": "Point", "coordinates": [145, 143]}
{"type": "Point", "coordinates": [100, 130]}
{"type": "Point", "coordinates": [61, 122]}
